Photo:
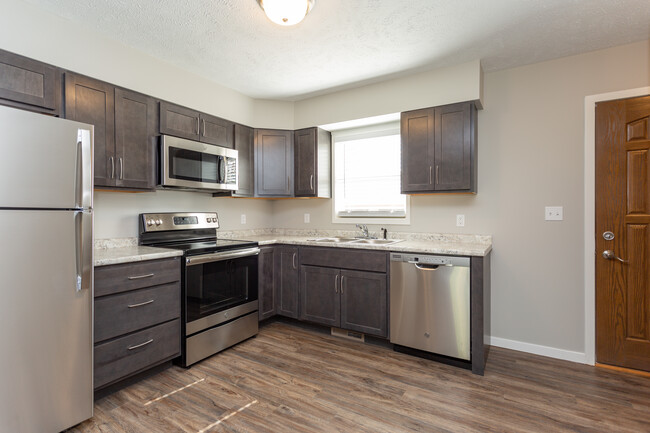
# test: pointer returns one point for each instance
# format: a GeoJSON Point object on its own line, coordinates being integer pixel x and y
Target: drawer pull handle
{"type": "Point", "coordinates": [141, 344]}
{"type": "Point", "coordinates": [138, 277]}
{"type": "Point", "coordinates": [140, 304]}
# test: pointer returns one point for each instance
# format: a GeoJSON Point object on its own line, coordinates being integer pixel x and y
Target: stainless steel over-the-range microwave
{"type": "Point", "coordinates": [188, 164]}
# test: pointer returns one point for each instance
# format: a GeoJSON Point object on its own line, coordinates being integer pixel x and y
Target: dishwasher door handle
{"type": "Point", "coordinates": [425, 267]}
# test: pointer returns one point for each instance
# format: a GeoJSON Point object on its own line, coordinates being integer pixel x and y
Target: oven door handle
{"type": "Point", "coordinates": [217, 257]}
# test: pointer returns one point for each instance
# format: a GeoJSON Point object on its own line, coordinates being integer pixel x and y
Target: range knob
{"type": "Point", "coordinates": [158, 222]}
{"type": "Point", "coordinates": [150, 223]}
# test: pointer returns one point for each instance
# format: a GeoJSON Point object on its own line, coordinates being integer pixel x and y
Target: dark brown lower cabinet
{"type": "Point", "coordinates": [288, 281]}
{"type": "Point", "coordinates": [266, 283]}
{"type": "Point", "coordinates": [137, 318]}
{"type": "Point", "coordinates": [354, 300]}
{"type": "Point", "coordinates": [320, 300]}
{"type": "Point", "coordinates": [364, 302]}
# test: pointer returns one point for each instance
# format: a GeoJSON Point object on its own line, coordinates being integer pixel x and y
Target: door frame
{"type": "Point", "coordinates": [590, 212]}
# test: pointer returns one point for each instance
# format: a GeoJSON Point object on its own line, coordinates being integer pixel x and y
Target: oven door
{"type": "Point", "coordinates": [193, 165]}
{"type": "Point", "coordinates": [217, 282]}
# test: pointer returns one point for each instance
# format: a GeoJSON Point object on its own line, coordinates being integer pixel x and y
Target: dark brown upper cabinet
{"type": "Point", "coordinates": [29, 84]}
{"type": "Point", "coordinates": [273, 163]}
{"type": "Point", "coordinates": [191, 124]}
{"type": "Point", "coordinates": [245, 146]}
{"type": "Point", "coordinates": [439, 149]}
{"type": "Point", "coordinates": [91, 101]}
{"type": "Point", "coordinates": [312, 159]}
{"type": "Point", "coordinates": [124, 135]}
{"type": "Point", "coordinates": [135, 139]}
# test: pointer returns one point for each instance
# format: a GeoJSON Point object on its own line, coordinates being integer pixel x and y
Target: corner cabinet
{"type": "Point", "coordinates": [279, 281]}
{"type": "Point", "coordinates": [266, 283]}
{"type": "Point", "coordinates": [193, 125]}
{"type": "Point", "coordinates": [312, 162]}
{"type": "Point", "coordinates": [439, 149]}
{"type": "Point", "coordinates": [125, 128]}
{"type": "Point", "coordinates": [273, 163]}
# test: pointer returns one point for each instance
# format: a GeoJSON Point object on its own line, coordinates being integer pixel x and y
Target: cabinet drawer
{"type": "Point", "coordinates": [130, 276]}
{"type": "Point", "coordinates": [127, 312]}
{"type": "Point", "coordinates": [375, 261]}
{"type": "Point", "coordinates": [124, 356]}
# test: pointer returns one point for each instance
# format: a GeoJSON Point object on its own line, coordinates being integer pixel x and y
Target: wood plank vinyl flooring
{"type": "Point", "coordinates": [291, 379]}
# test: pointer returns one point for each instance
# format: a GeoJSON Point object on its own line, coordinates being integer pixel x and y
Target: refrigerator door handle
{"type": "Point", "coordinates": [83, 249]}
{"type": "Point", "coordinates": [84, 180]}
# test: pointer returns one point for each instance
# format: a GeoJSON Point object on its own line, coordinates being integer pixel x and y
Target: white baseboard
{"type": "Point", "coordinates": [536, 349]}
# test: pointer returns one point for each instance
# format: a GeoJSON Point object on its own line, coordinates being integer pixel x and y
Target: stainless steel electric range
{"type": "Point", "coordinates": [219, 281]}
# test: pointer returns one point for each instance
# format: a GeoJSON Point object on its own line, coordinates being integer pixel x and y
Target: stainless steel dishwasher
{"type": "Point", "coordinates": [430, 303]}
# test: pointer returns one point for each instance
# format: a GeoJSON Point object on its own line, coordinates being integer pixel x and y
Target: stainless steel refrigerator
{"type": "Point", "coordinates": [46, 241]}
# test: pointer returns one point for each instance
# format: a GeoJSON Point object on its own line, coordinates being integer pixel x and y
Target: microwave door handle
{"type": "Point", "coordinates": [218, 257]}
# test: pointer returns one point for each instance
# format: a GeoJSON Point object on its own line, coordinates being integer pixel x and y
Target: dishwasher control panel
{"type": "Point", "coordinates": [427, 259]}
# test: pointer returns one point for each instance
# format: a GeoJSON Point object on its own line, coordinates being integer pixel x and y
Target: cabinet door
{"type": "Point", "coordinates": [267, 281]}
{"type": "Point", "coordinates": [320, 301]}
{"type": "Point", "coordinates": [135, 130]}
{"type": "Point", "coordinates": [29, 84]}
{"type": "Point", "coordinates": [288, 282]}
{"type": "Point", "coordinates": [364, 303]}
{"type": "Point", "coordinates": [91, 101]}
{"type": "Point", "coordinates": [453, 144]}
{"type": "Point", "coordinates": [244, 144]}
{"type": "Point", "coordinates": [215, 130]}
{"type": "Point", "coordinates": [305, 162]}
{"type": "Point", "coordinates": [417, 134]}
{"type": "Point", "coordinates": [179, 121]}
{"type": "Point", "coordinates": [273, 163]}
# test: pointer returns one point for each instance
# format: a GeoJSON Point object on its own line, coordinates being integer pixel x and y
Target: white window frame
{"type": "Point", "coordinates": [389, 128]}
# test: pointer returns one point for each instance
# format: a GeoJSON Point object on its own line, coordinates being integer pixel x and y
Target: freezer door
{"type": "Point", "coordinates": [46, 162]}
{"type": "Point", "coordinates": [46, 324]}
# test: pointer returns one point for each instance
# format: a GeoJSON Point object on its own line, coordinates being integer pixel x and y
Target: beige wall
{"type": "Point", "coordinates": [116, 214]}
{"type": "Point", "coordinates": [426, 89]}
{"type": "Point", "coordinates": [530, 151]}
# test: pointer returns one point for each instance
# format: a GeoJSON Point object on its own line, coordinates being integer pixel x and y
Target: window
{"type": "Point", "coordinates": [367, 174]}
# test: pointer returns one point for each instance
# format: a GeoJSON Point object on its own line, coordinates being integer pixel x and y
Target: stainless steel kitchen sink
{"type": "Point", "coordinates": [378, 241]}
{"type": "Point", "coordinates": [337, 239]}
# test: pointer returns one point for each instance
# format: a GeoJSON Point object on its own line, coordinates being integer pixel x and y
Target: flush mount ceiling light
{"type": "Point", "coordinates": [286, 12]}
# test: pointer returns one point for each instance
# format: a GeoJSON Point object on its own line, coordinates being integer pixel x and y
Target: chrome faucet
{"type": "Point", "coordinates": [364, 230]}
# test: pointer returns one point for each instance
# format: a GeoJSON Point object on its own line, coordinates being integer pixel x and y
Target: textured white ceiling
{"type": "Point", "coordinates": [346, 43]}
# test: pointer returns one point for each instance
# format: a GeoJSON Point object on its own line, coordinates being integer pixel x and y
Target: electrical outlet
{"type": "Point", "coordinates": [243, 218]}
{"type": "Point", "coordinates": [460, 220]}
{"type": "Point", "coordinates": [307, 217]}
{"type": "Point", "coordinates": [554, 213]}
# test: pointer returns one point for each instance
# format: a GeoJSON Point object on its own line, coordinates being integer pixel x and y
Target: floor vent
{"type": "Point", "coordinates": [350, 335]}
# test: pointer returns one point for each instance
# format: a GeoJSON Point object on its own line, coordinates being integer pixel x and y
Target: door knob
{"type": "Point", "coordinates": [609, 255]}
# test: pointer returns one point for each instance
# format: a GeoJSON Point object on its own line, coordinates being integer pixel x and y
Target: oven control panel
{"type": "Point", "coordinates": [155, 222]}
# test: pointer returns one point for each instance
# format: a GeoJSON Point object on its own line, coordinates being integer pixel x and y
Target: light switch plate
{"type": "Point", "coordinates": [307, 218]}
{"type": "Point", "coordinates": [243, 218]}
{"type": "Point", "coordinates": [554, 213]}
{"type": "Point", "coordinates": [460, 220]}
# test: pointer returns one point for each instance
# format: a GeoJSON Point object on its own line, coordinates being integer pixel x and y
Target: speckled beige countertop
{"type": "Point", "coordinates": [433, 243]}
{"type": "Point", "coordinates": [416, 246]}
{"type": "Point", "coordinates": [115, 251]}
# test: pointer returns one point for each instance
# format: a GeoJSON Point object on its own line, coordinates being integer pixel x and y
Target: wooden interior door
{"type": "Point", "coordinates": [623, 254]}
